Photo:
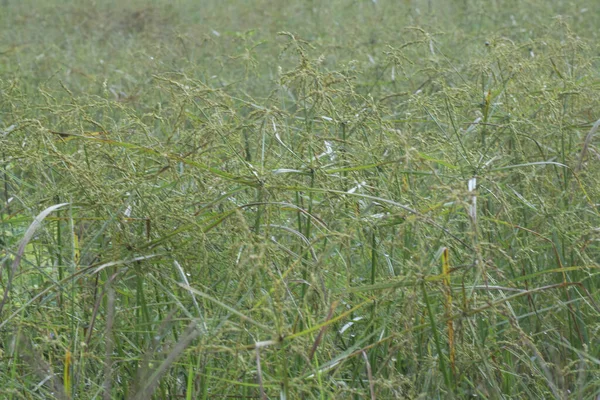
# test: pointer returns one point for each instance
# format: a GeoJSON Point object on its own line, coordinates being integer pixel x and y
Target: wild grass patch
{"type": "Point", "coordinates": [374, 200]}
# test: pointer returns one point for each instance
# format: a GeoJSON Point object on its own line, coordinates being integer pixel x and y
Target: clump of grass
{"type": "Point", "coordinates": [396, 204]}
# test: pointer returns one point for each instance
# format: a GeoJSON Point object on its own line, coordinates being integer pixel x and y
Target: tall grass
{"type": "Point", "coordinates": [299, 200]}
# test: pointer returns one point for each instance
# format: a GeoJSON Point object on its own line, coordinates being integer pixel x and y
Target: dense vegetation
{"type": "Point", "coordinates": [300, 199]}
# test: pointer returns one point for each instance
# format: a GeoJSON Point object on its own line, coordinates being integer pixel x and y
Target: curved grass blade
{"type": "Point", "coordinates": [37, 222]}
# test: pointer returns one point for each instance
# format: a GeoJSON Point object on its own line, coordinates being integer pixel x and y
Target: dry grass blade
{"type": "Point", "coordinates": [148, 377]}
{"type": "Point", "coordinates": [369, 375]}
{"type": "Point", "coordinates": [321, 332]}
{"type": "Point", "coordinates": [261, 388]}
{"type": "Point", "coordinates": [586, 144]}
{"type": "Point", "coordinates": [109, 340]}
{"type": "Point", "coordinates": [42, 370]}
{"type": "Point", "coordinates": [448, 307]}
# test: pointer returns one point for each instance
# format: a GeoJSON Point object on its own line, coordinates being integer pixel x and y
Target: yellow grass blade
{"type": "Point", "coordinates": [448, 305]}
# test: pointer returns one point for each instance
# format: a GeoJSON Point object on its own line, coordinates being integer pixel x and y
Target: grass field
{"type": "Point", "coordinates": [308, 199]}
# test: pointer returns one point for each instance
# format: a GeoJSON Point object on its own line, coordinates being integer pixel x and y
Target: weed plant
{"type": "Point", "coordinates": [316, 200]}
